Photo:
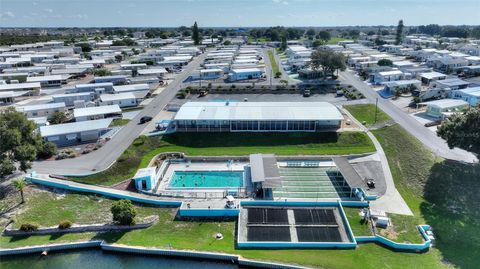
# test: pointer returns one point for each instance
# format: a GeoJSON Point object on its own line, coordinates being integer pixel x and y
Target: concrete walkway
{"type": "Point", "coordinates": [391, 201]}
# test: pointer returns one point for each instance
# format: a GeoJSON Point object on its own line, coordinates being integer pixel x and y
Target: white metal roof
{"type": "Point", "coordinates": [42, 106]}
{"type": "Point", "coordinates": [475, 91]}
{"type": "Point", "coordinates": [74, 127]}
{"type": "Point", "coordinates": [258, 111]}
{"type": "Point", "coordinates": [446, 103]}
{"type": "Point", "coordinates": [390, 73]}
{"type": "Point", "coordinates": [246, 70]}
{"type": "Point", "coordinates": [131, 88]}
{"type": "Point", "coordinates": [19, 86]}
{"type": "Point", "coordinates": [432, 75]}
{"type": "Point", "coordinates": [144, 172]}
{"type": "Point", "coordinates": [118, 96]}
{"type": "Point", "coordinates": [71, 94]}
{"type": "Point", "coordinates": [152, 71]}
{"type": "Point", "coordinates": [96, 110]}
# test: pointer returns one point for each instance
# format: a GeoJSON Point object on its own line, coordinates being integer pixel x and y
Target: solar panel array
{"type": "Point", "coordinates": [314, 216]}
{"type": "Point", "coordinates": [318, 234]}
{"type": "Point", "coordinates": [268, 233]}
{"type": "Point", "coordinates": [311, 225]}
{"type": "Point", "coordinates": [267, 216]}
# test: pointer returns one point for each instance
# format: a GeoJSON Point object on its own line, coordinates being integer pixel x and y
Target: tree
{"type": "Point", "coordinates": [123, 212]}
{"type": "Point", "coordinates": [398, 36]}
{"type": "Point", "coordinates": [455, 31]}
{"type": "Point", "coordinates": [118, 58]}
{"type": "Point", "coordinates": [385, 62]}
{"type": "Point", "coordinates": [324, 35]}
{"type": "Point", "coordinates": [47, 150]}
{"type": "Point", "coordinates": [227, 42]}
{"type": "Point", "coordinates": [197, 39]}
{"type": "Point", "coordinates": [317, 43]}
{"type": "Point", "coordinates": [102, 72]}
{"type": "Point", "coordinates": [58, 117]}
{"type": "Point", "coordinates": [462, 130]}
{"type": "Point", "coordinates": [283, 43]}
{"type": "Point", "coordinates": [20, 184]}
{"type": "Point", "coordinates": [19, 141]}
{"type": "Point", "coordinates": [85, 47]}
{"type": "Point", "coordinates": [310, 32]}
{"type": "Point", "coordinates": [475, 33]}
{"type": "Point", "coordinates": [327, 61]}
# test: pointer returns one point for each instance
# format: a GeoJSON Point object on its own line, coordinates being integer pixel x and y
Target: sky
{"type": "Point", "coordinates": [234, 13]}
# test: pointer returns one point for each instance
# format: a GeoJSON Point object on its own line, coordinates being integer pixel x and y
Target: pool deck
{"type": "Point", "coordinates": [198, 166]}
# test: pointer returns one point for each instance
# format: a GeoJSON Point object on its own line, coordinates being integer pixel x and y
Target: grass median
{"type": "Point", "coordinates": [143, 149]}
{"type": "Point", "coordinates": [273, 62]}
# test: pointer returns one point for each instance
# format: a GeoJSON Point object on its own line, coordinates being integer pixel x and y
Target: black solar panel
{"type": "Point", "coordinates": [276, 216]}
{"type": "Point", "coordinates": [318, 234]}
{"type": "Point", "coordinates": [314, 216]}
{"type": "Point", "coordinates": [256, 215]}
{"type": "Point", "coordinates": [267, 216]}
{"type": "Point", "coordinates": [270, 233]}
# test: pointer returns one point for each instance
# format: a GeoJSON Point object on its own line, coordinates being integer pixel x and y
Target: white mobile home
{"type": "Point", "coordinates": [385, 76]}
{"type": "Point", "coordinates": [49, 81]}
{"type": "Point", "coordinates": [126, 99]}
{"type": "Point", "coordinates": [97, 112]}
{"type": "Point", "coordinates": [42, 110]}
{"type": "Point", "coordinates": [131, 88]}
{"type": "Point", "coordinates": [427, 78]}
{"type": "Point", "coordinates": [69, 99]}
{"type": "Point", "coordinates": [444, 107]}
{"type": "Point", "coordinates": [244, 74]}
{"type": "Point", "coordinates": [470, 95]}
{"type": "Point", "coordinates": [75, 133]}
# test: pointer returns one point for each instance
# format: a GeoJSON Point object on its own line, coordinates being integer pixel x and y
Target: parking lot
{"type": "Point", "coordinates": [290, 97]}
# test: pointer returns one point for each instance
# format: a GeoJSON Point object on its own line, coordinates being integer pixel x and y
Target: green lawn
{"type": "Point", "coordinates": [440, 193]}
{"type": "Point", "coordinates": [335, 40]}
{"type": "Point", "coordinates": [119, 122]}
{"type": "Point", "coordinates": [273, 62]}
{"type": "Point", "coordinates": [366, 113]}
{"type": "Point", "coordinates": [359, 228]}
{"type": "Point", "coordinates": [143, 149]}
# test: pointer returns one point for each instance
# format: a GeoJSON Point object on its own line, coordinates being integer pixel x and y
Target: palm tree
{"type": "Point", "coordinates": [20, 185]}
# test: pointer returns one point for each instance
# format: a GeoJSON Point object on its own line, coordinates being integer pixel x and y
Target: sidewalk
{"type": "Point", "coordinates": [391, 201]}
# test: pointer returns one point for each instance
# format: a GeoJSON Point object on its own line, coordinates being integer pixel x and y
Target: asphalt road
{"type": "Point", "coordinates": [436, 144]}
{"type": "Point", "coordinates": [105, 156]}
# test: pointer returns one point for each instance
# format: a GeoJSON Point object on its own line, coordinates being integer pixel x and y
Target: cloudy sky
{"type": "Point", "coordinates": [58, 13]}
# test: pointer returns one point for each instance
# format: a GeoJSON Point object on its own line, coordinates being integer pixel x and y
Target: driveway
{"type": "Point", "coordinates": [106, 156]}
{"type": "Point", "coordinates": [426, 136]}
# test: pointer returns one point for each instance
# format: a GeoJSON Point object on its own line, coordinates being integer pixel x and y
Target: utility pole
{"type": "Point", "coordinates": [376, 109]}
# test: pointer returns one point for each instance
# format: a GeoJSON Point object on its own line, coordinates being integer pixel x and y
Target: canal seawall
{"type": "Point", "coordinates": [97, 244]}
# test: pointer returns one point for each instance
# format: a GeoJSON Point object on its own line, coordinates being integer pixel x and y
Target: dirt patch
{"type": "Point", "coordinates": [127, 185]}
{"type": "Point", "coordinates": [389, 233]}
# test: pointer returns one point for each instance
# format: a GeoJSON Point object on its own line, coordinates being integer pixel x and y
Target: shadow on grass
{"type": "Point", "coordinates": [110, 237]}
{"type": "Point", "coordinates": [453, 210]}
{"type": "Point", "coordinates": [206, 140]}
{"type": "Point", "coordinates": [16, 238]}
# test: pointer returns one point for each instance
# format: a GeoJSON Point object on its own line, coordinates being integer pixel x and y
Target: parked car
{"type": "Point", "coordinates": [145, 119]}
{"type": "Point", "coordinates": [306, 93]}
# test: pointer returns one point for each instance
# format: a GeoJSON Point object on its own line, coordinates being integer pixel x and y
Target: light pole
{"type": "Point", "coordinates": [376, 109]}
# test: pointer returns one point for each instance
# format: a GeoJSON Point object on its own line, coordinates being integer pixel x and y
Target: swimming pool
{"type": "Point", "coordinates": [207, 179]}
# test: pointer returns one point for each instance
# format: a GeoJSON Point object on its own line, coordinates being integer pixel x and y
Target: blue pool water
{"type": "Point", "coordinates": [207, 179]}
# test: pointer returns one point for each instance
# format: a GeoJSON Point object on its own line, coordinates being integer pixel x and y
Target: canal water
{"type": "Point", "coordinates": [98, 259]}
